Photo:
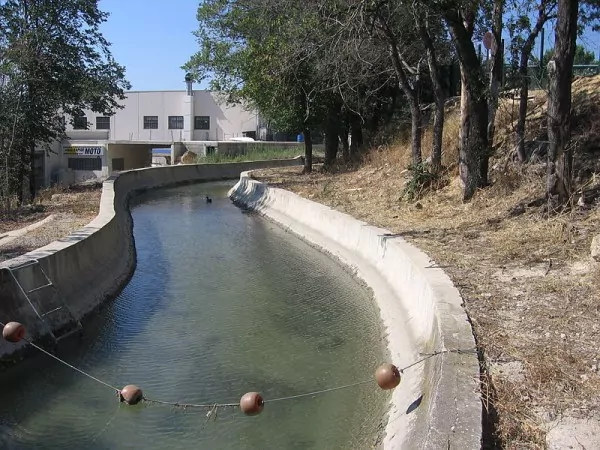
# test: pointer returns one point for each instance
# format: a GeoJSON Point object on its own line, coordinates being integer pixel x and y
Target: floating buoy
{"type": "Point", "coordinates": [131, 394]}
{"type": "Point", "coordinates": [387, 376]}
{"type": "Point", "coordinates": [13, 332]}
{"type": "Point", "coordinates": [252, 403]}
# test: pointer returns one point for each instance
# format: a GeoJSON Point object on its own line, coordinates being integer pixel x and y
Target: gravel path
{"type": "Point", "coordinates": [62, 225]}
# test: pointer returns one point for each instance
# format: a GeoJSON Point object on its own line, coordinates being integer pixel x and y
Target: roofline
{"type": "Point", "coordinates": [169, 90]}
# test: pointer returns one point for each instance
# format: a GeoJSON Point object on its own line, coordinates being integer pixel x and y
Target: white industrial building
{"type": "Point", "coordinates": [177, 120]}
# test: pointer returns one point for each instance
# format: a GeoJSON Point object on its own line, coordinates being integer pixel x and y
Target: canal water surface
{"type": "Point", "coordinates": [221, 303]}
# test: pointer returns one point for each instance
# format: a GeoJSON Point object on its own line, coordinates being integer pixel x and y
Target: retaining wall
{"type": "Point", "coordinates": [93, 264]}
{"type": "Point", "coordinates": [437, 405]}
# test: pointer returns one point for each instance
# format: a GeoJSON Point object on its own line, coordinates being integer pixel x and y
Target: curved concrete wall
{"type": "Point", "coordinates": [92, 264]}
{"type": "Point", "coordinates": [437, 405]}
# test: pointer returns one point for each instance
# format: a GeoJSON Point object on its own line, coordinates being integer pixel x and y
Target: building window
{"type": "Point", "coordinates": [80, 123]}
{"type": "Point", "coordinates": [102, 123]}
{"type": "Point", "coordinates": [118, 164]}
{"type": "Point", "coordinates": [202, 123]}
{"type": "Point", "coordinates": [175, 122]}
{"type": "Point", "coordinates": [150, 122]}
{"type": "Point", "coordinates": [85, 164]}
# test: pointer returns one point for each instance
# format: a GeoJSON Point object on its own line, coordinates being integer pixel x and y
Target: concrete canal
{"type": "Point", "coordinates": [221, 303]}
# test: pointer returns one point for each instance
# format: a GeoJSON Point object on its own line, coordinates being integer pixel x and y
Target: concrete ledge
{"type": "Point", "coordinates": [92, 264]}
{"type": "Point", "coordinates": [10, 236]}
{"type": "Point", "coordinates": [437, 405]}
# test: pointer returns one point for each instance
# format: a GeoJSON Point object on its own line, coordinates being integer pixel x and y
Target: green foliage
{"type": "Point", "coordinates": [250, 51]}
{"type": "Point", "coordinates": [582, 57]}
{"type": "Point", "coordinates": [254, 152]}
{"type": "Point", "coordinates": [421, 178]}
{"type": "Point", "coordinates": [53, 60]}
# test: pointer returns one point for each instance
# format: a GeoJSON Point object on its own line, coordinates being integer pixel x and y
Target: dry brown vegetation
{"type": "Point", "coordinates": [82, 201]}
{"type": "Point", "coordinates": [72, 208]}
{"type": "Point", "coordinates": [528, 281]}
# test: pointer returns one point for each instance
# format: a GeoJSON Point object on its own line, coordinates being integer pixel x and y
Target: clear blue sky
{"type": "Point", "coordinates": [153, 39]}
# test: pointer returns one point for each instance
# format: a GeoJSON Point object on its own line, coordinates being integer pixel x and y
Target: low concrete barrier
{"type": "Point", "coordinates": [437, 405]}
{"type": "Point", "coordinates": [94, 263]}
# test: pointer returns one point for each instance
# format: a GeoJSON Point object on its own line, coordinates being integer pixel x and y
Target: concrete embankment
{"type": "Point", "coordinates": [91, 265]}
{"type": "Point", "coordinates": [437, 405]}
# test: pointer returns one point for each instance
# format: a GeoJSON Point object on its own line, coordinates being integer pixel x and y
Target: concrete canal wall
{"type": "Point", "coordinates": [437, 405]}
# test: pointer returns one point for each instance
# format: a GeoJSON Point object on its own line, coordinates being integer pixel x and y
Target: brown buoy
{"type": "Point", "coordinates": [387, 376]}
{"type": "Point", "coordinates": [131, 394]}
{"type": "Point", "coordinates": [252, 403]}
{"type": "Point", "coordinates": [13, 332]}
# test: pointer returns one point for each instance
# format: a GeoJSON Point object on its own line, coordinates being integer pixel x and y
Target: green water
{"type": "Point", "coordinates": [221, 303]}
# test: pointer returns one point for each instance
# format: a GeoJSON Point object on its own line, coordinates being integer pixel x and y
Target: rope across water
{"type": "Point", "coordinates": [213, 406]}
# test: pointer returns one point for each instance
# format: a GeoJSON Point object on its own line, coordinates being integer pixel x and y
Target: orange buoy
{"type": "Point", "coordinates": [13, 332]}
{"type": "Point", "coordinates": [387, 376]}
{"type": "Point", "coordinates": [252, 403]}
{"type": "Point", "coordinates": [131, 394]}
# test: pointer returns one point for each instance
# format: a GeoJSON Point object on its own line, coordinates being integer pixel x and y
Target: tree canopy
{"type": "Point", "coordinates": [53, 60]}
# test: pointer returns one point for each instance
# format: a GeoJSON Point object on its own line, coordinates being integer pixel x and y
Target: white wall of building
{"type": "Point", "coordinates": [127, 124]}
{"type": "Point", "coordinates": [225, 121]}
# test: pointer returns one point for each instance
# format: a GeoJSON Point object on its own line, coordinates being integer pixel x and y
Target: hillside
{"type": "Point", "coordinates": [528, 281]}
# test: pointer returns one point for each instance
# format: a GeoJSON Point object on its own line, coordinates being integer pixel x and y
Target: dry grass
{"type": "Point", "coordinates": [80, 201]}
{"type": "Point", "coordinates": [529, 284]}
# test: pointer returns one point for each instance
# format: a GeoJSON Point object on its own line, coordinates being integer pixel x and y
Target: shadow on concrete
{"type": "Point", "coordinates": [414, 405]}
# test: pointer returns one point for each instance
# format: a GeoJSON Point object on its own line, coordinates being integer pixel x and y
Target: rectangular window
{"type": "Point", "coordinates": [85, 164]}
{"type": "Point", "coordinates": [118, 164]}
{"type": "Point", "coordinates": [80, 123]}
{"type": "Point", "coordinates": [102, 123]}
{"type": "Point", "coordinates": [150, 122]}
{"type": "Point", "coordinates": [202, 123]}
{"type": "Point", "coordinates": [175, 122]}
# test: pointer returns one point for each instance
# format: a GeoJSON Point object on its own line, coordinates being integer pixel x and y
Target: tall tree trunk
{"type": "Point", "coordinates": [356, 137]}
{"type": "Point", "coordinates": [412, 94]}
{"type": "Point", "coordinates": [496, 68]}
{"type": "Point", "coordinates": [524, 78]}
{"type": "Point", "coordinates": [32, 186]}
{"type": "Point", "coordinates": [438, 90]}
{"type": "Point", "coordinates": [332, 135]}
{"type": "Point", "coordinates": [474, 144]}
{"type": "Point", "coordinates": [467, 21]}
{"type": "Point", "coordinates": [21, 178]}
{"type": "Point", "coordinates": [416, 137]}
{"type": "Point", "coordinates": [523, 96]}
{"type": "Point", "coordinates": [308, 150]}
{"type": "Point", "coordinates": [560, 74]}
{"type": "Point", "coordinates": [344, 132]}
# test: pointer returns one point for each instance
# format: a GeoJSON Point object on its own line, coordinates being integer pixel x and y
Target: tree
{"type": "Point", "coordinates": [57, 61]}
{"type": "Point", "coordinates": [582, 57]}
{"type": "Point", "coordinates": [523, 39]}
{"type": "Point", "coordinates": [496, 67]}
{"type": "Point", "coordinates": [429, 26]}
{"type": "Point", "coordinates": [389, 23]}
{"type": "Point", "coordinates": [474, 150]}
{"type": "Point", "coordinates": [560, 74]}
{"type": "Point", "coordinates": [264, 54]}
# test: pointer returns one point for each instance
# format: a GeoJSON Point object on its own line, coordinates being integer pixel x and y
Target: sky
{"type": "Point", "coordinates": [153, 39]}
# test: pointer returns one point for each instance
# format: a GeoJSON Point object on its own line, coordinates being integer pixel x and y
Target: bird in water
{"type": "Point", "coordinates": [208, 199]}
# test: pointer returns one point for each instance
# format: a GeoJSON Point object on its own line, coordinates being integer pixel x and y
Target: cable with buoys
{"type": "Point", "coordinates": [387, 376]}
